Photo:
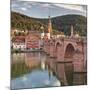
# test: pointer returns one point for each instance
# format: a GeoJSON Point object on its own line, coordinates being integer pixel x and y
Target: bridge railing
{"type": "Point", "coordinates": [70, 38]}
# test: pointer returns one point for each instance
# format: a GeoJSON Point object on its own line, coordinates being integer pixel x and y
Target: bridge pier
{"type": "Point", "coordinates": [78, 63]}
{"type": "Point", "coordinates": [78, 66]}
{"type": "Point", "coordinates": [48, 50]}
{"type": "Point", "coordinates": [52, 51]}
{"type": "Point", "coordinates": [46, 47]}
{"type": "Point", "coordinates": [60, 54]}
{"type": "Point", "coordinates": [80, 55]}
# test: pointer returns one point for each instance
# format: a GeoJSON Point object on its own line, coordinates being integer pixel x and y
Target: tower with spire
{"type": "Point", "coordinates": [49, 33]}
{"type": "Point", "coordinates": [72, 34]}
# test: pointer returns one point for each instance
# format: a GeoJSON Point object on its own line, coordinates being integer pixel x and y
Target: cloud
{"type": "Point", "coordinates": [20, 5]}
{"type": "Point", "coordinates": [13, 5]}
{"type": "Point", "coordinates": [23, 8]}
{"type": "Point", "coordinates": [72, 7]}
{"type": "Point", "coordinates": [24, 78]}
{"type": "Point", "coordinates": [45, 5]}
{"type": "Point", "coordinates": [37, 9]}
{"type": "Point", "coordinates": [46, 82]}
{"type": "Point", "coordinates": [56, 83]}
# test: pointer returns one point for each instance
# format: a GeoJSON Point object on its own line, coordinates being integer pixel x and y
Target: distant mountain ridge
{"type": "Point", "coordinates": [59, 23]}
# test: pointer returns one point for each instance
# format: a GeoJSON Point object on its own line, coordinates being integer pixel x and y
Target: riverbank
{"type": "Point", "coordinates": [26, 51]}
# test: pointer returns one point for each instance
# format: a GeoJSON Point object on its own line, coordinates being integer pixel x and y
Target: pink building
{"type": "Point", "coordinates": [32, 41]}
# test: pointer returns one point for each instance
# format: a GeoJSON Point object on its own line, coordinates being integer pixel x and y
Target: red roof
{"type": "Point", "coordinates": [19, 39]}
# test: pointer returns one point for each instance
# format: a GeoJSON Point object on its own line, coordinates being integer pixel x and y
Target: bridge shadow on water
{"type": "Point", "coordinates": [64, 71]}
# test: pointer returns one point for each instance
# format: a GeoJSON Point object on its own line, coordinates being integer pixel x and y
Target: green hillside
{"type": "Point", "coordinates": [62, 23]}
{"type": "Point", "coordinates": [23, 22]}
{"type": "Point", "coordinates": [59, 23]}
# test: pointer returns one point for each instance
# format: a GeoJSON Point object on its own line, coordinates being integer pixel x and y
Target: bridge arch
{"type": "Point", "coordinates": [58, 43]}
{"type": "Point", "coordinates": [69, 51]}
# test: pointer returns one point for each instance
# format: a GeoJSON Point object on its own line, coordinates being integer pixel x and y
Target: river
{"type": "Point", "coordinates": [32, 70]}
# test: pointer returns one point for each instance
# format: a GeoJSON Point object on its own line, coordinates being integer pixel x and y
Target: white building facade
{"type": "Point", "coordinates": [18, 46]}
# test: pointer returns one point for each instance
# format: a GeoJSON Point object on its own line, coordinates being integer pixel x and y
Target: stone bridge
{"type": "Point", "coordinates": [68, 49]}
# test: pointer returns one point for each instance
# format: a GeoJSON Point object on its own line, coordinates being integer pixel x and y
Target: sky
{"type": "Point", "coordinates": [43, 9]}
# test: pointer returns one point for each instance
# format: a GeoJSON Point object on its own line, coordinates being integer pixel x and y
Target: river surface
{"type": "Point", "coordinates": [31, 70]}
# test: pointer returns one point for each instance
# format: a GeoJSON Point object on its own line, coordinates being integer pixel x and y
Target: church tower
{"type": "Point", "coordinates": [49, 28]}
{"type": "Point", "coordinates": [72, 34]}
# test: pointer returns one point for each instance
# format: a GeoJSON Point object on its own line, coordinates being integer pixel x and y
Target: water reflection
{"type": "Point", "coordinates": [29, 70]}
{"type": "Point", "coordinates": [65, 73]}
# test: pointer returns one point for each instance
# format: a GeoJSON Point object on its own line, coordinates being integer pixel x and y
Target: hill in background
{"type": "Point", "coordinates": [59, 23]}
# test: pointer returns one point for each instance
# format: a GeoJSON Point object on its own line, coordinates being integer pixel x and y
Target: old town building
{"type": "Point", "coordinates": [18, 43]}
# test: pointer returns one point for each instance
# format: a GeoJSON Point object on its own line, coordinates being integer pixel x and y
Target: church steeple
{"type": "Point", "coordinates": [49, 29]}
{"type": "Point", "coordinates": [72, 34]}
{"type": "Point", "coordinates": [49, 26]}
